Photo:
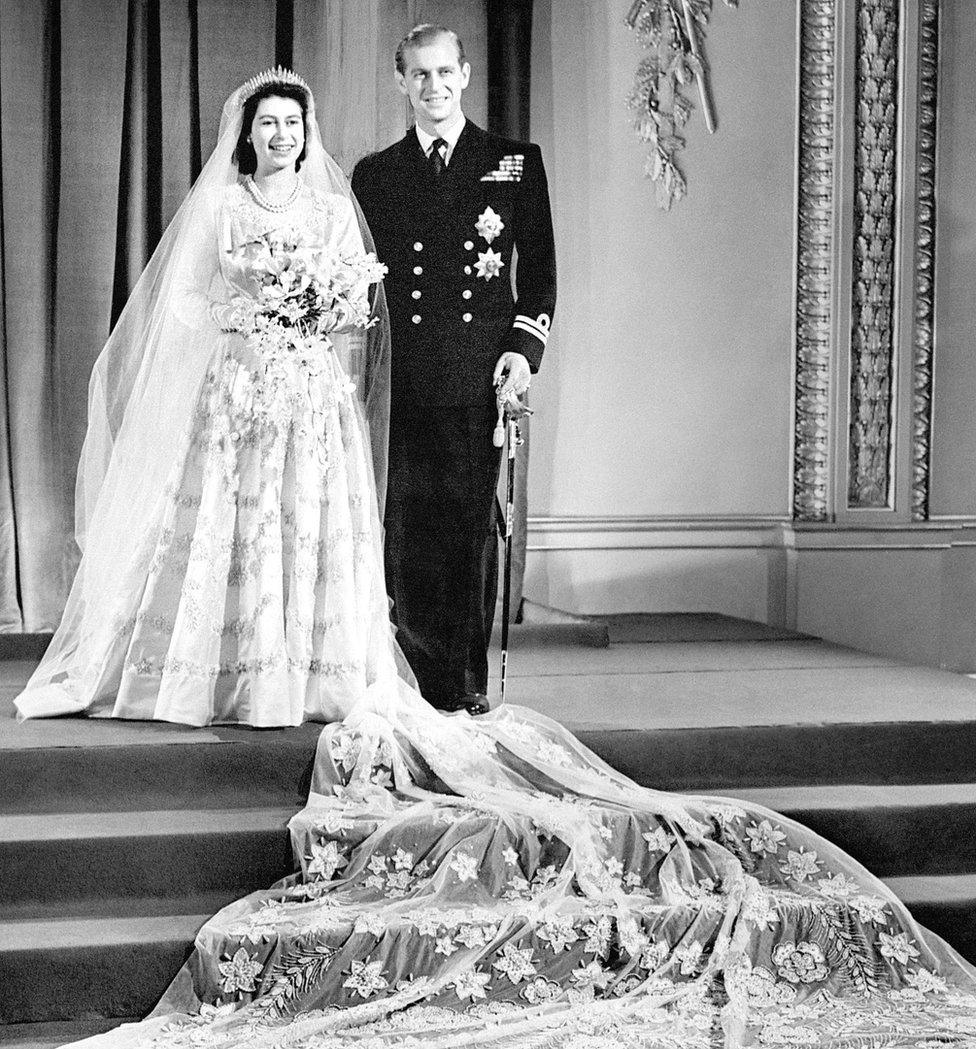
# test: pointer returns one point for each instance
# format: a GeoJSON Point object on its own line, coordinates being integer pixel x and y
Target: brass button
{"type": "Point", "coordinates": [468, 245]}
{"type": "Point", "coordinates": [417, 246]}
{"type": "Point", "coordinates": [415, 293]}
{"type": "Point", "coordinates": [466, 294]}
{"type": "Point", "coordinates": [466, 318]}
{"type": "Point", "coordinates": [416, 318]}
{"type": "Point", "coordinates": [418, 270]}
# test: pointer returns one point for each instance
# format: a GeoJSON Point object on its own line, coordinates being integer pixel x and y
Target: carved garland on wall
{"type": "Point", "coordinates": [872, 306]}
{"type": "Point", "coordinates": [814, 278]}
{"type": "Point", "coordinates": [671, 33]}
{"type": "Point", "coordinates": [924, 262]}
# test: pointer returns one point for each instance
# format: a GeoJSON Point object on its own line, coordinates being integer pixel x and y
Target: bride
{"type": "Point", "coordinates": [487, 881]}
{"type": "Point", "coordinates": [225, 500]}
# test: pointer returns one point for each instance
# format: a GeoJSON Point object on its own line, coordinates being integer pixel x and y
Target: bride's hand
{"type": "Point", "coordinates": [234, 316]}
{"type": "Point", "coordinates": [336, 322]}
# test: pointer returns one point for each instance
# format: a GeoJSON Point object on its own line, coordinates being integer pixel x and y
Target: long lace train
{"type": "Point", "coordinates": [494, 881]}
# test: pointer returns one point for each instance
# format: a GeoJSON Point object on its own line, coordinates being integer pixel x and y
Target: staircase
{"type": "Point", "coordinates": [900, 797]}
{"type": "Point", "coordinates": [113, 856]}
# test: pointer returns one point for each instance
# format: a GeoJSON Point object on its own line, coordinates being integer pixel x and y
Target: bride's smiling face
{"type": "Point", "coordinates": [277, 134]}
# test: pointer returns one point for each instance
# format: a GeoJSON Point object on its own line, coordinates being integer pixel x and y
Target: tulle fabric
{"type": "Point", "coordinates": [143, 393]}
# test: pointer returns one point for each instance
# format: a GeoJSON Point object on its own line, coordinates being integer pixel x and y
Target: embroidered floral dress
{"type": "Point", "coordinates": [263, 603]}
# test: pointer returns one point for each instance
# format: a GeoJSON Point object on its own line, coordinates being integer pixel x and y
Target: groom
{"type": "Point", "coordinates": [447, 205]}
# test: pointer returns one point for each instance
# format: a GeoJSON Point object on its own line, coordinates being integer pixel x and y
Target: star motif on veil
{"type": "Point", "coordinates": [514, 963]}
{"type": "Point", "coordinates": [238, 973]}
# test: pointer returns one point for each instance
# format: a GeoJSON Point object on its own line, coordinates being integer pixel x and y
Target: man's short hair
{"type": "Point", "coordinates": [426, 33]}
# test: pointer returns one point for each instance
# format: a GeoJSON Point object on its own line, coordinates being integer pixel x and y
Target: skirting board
{"type": "Point", "coordinates": [907, 591]}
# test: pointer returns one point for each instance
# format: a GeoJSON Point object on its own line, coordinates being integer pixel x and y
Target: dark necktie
{"type": "Point", "coordinates": [436, 158]}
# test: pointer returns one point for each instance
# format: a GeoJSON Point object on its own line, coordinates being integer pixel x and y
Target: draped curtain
{"type": "Point", "coordinates": [107, 110]}
{"type": "Point", "coordinates": [509, 24]}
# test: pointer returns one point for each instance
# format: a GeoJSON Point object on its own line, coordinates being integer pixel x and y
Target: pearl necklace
{"type": "Point", "coordinates": [262, 200]}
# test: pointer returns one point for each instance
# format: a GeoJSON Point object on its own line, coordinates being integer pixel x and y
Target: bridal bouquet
{"type": "Point", "coordinates": [304, 290]}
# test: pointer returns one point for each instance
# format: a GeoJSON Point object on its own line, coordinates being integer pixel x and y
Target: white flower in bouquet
{"type": "Point", "coordinates": [303, 292]}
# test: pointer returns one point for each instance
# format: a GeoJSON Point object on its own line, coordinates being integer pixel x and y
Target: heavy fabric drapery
{"type": "Point", "coordinates": [509, 76]}
{"type": "Point", "coordinates": [106, 112]}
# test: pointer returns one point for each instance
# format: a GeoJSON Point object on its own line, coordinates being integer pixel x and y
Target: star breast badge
{"type": "Point", "coordinates": [489, 264]}
{"type": "Point", "coordinates": [489, 224]}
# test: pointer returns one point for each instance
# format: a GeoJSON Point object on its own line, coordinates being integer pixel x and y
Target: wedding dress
{"type": "Point", "coordinates": [264, 602]}
{"type": "Point", "coordinates": [482, 881]}
{"type": "Point", "coordinates": [232, 551]}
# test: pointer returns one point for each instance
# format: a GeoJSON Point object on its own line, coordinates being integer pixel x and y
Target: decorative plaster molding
{"type": "Point", "coordinates": [924, 260]}
{"type": "Point", "coordinates": [666, 533]}
{"type": "Point", "coordinates": [872, 305]}
{"type": "Point", "coordinates": [653, 522]}
{"type": "Point", "coordinates": [814, 261]}
{"type": "Point", "coordinates": [661, 532]}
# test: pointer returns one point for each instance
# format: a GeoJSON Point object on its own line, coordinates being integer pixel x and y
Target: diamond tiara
{"type": "Point", "coordinates": [278, 75]}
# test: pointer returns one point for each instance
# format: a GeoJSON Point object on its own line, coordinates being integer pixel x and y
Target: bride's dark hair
{"type": "Point", "coordinates": [244, 154]}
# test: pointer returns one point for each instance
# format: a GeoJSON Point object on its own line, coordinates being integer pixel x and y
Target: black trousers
{"type": "Point", "coordinates": [442, 544]}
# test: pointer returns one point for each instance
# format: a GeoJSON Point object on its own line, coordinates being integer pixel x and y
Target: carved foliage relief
{"type": "Point", "coordinates": [924, 261]}
{"type": "Point", "coordinates": [872, 327]}
{"type": "Point", "coordinates": [814, 278]}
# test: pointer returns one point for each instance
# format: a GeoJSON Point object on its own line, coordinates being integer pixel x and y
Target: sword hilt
{"type": "Point", "coordinates": [498, 436]}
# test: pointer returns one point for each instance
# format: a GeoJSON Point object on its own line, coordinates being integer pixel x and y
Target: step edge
{"type": "Point", "coordinates": [53, 934]}
{"type": "Point", "coordinates": [845, 797]}
{"type": "Point", "coordinates": [140, 823]}
{"type": "Point", "coordinates": [917, 889]}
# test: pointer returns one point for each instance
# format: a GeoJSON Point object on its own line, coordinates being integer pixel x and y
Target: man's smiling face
{"type": "Point", "coordinates": [433, 80]}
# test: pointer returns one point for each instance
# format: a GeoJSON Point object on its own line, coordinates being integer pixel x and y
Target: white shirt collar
{"type": "Point", "coordinates": [450, 136]}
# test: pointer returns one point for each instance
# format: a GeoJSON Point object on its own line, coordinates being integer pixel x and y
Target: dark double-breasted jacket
{"type": "Point", "coordinates": [448, 242]}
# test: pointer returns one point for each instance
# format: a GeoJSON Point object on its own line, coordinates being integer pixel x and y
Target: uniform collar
{"type": "Point", "coordinates": [450, 136]}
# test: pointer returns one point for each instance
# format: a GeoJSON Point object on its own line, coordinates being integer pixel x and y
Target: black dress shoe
{"type": "Point", "coordinates": [474, 703]}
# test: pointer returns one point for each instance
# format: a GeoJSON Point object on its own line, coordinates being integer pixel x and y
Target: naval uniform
{"type": "Point", "coordinates": [448, 240]}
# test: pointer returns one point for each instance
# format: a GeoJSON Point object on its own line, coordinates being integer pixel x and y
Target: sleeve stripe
{"type": "Point", "coordinates": [532, 328]}
{"type": "Point", "coordinates": [543, 321]}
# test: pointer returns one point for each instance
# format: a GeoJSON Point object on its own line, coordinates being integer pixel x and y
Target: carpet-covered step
{"type": "Point", "coordinates": [918, 829]}
{"type": "Point", "coordinates": [946, 905]}
{"type": "Point", "coordinates": [247, 769]}
{"type": "Point", "coordinates": [719, 760]}
{"type": "Point", "coordinates": [51, 1035]}
{"type": "Point", "coordinates": [86, 969]}
{"type": "Point", "coordinates": [136, 855]}
{"type": "Point", "coordinates": [75, 969]}
{"type": "Point", "coordinates": [114, 966]}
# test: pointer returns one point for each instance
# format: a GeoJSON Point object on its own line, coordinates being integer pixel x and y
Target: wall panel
{"type": "Point", "coordinates": [954, 401]}
{"type": "Point", "coordinates": [666, 388]}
